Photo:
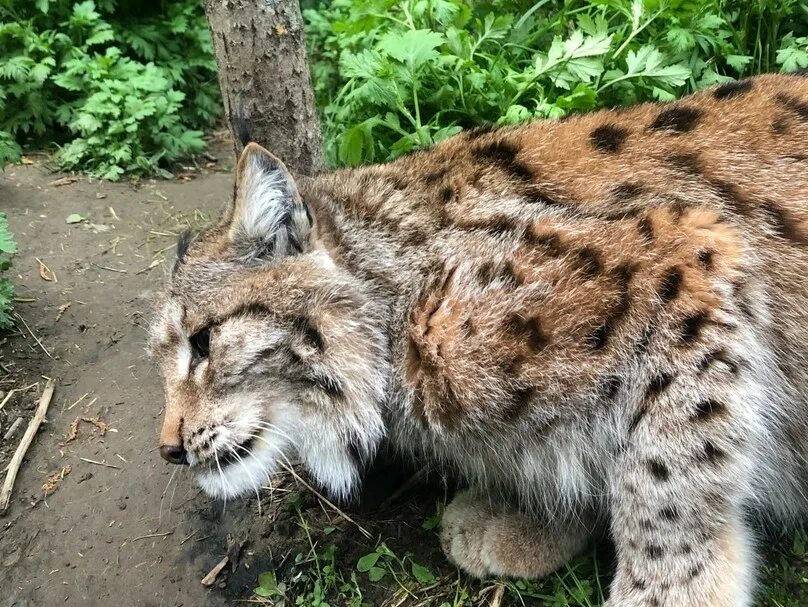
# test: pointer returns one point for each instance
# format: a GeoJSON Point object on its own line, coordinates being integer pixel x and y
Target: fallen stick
{"type": "Point", "coordinates": [36, 339]}
{"type": "Point", "coordinates": [97, 463]}
{"type": "Point", "coordinates": [211, 577]}
{"type": "Point", "coordinates": [27, 439]}
{"type": "Point", "coordinates": [143, 537]}
{"type": "Point", "coordinates": [10, 432]}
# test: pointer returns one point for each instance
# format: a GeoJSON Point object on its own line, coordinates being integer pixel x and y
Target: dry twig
{"type": "Point", "coordinates": [211, 577]}
{"type": "Point", "coordinates": [36, 339]}
{"type": "Point", "coordinates": [361, 529]}
{"type": "Point", "coordinates": [97, 463]}
{"type": "Point", "coordinates": [22, 448]}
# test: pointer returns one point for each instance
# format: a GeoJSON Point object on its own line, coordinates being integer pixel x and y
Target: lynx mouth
{"type": "Point", "coordinates": [242, 468]}
{"type": "Point", "coordinates": [237, 452]}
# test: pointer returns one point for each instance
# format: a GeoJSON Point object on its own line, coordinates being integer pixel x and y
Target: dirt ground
{"type": "Point", "coordinates": [125, 527]}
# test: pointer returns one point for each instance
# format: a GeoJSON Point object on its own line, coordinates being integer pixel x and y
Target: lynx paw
{"type": "Point", "coordinates": [487, 541]}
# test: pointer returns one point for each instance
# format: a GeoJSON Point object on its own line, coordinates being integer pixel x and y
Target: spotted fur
{"type": "Point", "coordinates": [600, 320]}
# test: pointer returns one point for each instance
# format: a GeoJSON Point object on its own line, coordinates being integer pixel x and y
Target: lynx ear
{"type": "Point", "coordinates": [269, 218]}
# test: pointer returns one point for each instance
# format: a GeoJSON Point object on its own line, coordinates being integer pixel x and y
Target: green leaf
{"type": "Point", "coordinates": [74, 218]}
{"type": "Point", "coordinates": [376, 573]}
{"type": "Point", "coordinates": [7, 244]}
{"type": "Point", "coordinates": [422, 574]}
{"type": "Point", "coordinates": [413, 48]}
{"type": "Point", "coordinates": [268, 581]}
{"type": "Point", "coordinates": [367, 562]}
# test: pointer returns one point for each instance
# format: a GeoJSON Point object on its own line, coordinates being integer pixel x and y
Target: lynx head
{"type": "Point", "coordinates": [268, 349]}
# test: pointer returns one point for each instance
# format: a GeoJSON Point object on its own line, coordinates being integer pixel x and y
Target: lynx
{"type": "Point", "coordinates": [595, 321]}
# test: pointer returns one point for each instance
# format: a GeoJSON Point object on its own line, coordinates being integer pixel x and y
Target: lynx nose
{"type": "Point", "coordinates": [174, 454]}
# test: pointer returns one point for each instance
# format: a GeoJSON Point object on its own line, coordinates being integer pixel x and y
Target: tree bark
{"type": "Point", "coordinates": [264, 77]}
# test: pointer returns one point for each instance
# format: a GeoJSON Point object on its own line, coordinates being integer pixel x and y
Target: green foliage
{"type": "Point", "coordinates": [120, 85]}
{"type": "Point", "coordinates": [396, 75]}
{"type": "Point", "coordinates": [7, 249]}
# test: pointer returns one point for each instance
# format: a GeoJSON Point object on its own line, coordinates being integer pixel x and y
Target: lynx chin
{"type": "Point", "coordinates": [601, 323]}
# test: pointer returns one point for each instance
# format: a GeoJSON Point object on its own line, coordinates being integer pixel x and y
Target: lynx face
{"type": "Point", "coordinates": [264, 347]}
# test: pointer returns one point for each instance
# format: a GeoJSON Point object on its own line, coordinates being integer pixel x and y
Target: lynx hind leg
{"type": "Point", "coordinates": [489, 540]}
{"type": "Point", "coordinates": [682, 482]}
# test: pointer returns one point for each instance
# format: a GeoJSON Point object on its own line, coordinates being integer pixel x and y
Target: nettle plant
{"type": "Point", "coordinates": [121, 86]}
{"type": "Point", "coordinates": [392, 76]}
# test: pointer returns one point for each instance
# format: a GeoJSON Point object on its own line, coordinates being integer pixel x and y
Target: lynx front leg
{"type": "Point", "coordinates": [490, 540]}
{"type": "Point", "coordinates": [677, 496]}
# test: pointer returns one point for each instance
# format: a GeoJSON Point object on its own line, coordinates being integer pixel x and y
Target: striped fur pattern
{"type": "Point", "coordinates": [595, 321]}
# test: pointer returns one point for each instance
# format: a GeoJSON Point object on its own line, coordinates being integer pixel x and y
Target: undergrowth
{"type": "Point", "coordinates": [395, 75]}
{"type": "Point", "coordinates": [120, 86]}
{"type": "Point", "coordinates": [7, 249]}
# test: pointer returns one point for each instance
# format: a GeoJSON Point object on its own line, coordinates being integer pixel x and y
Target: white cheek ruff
{"type": "Point", "coordinates": [247, 475]}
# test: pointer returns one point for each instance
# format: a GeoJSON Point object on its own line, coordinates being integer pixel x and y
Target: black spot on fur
{"type": "Point", "coordinates": [598, 337]}
{"type": "Point", "coordinates": [549, 243]}
{"type": "Point", "coordinates": [654, 552]}
{"type": "Point", "coordinates": [780, 125]}
{"type": "Point", "coordinates": [527, 330]}
{"type": "Point", "coordinates": [533, 194]}
{"type": "Point", "coordinates": [658, 385]}
{"type": "Point", "coordinates": [669, 513]}
{"type": "Point", "coordinates": [435, 176]}
{"type": "Point", "coordinates": [708, 409]}
{"type": "Point", "coordinates": [695, 571]}
{"type": "Point", "coordinates": [446, 194]}
{"type": "Point", "coordinates": [677, 119]}
{"type": "Point", "coordinates": [793, 104]}
{"type": "Point", "coordinates": [627, 190]}
{"type": "Point", "coordinates": [638, 584]}
{"type": "Point", "coordinates": [705, 257]}
{"type": "Point", "coordinates": [645, 227]}
{"type": "Point", "coordinates": [611, 386]}
{"type": "Point", "coordinates": [589, 261]}
{"type": "Point", "coordinates": [691, 327]}
{"type": "Point", "coordinates": [715, 356]}
{"type": "Point", "coordinates": [735, 200]}
{"type": "Point", "coordinates": [503, 154]}
{"type": "Point", "coordinates": [519, 402]}
{"type": "Point", "coordinates": [728, 90]}
{"type": "Point", "coordinates": [658, 470]}
{"type": "Point", "coordinates": [608, 138]}
{"type": "Point", "coordinates": [310, 333]}
{"type": "Point", "coordinates": [711, 453]}
{"type": "Point", "coordinates": [689, 162]}
{"type": "Point", "coordinates": [671, 284]}
{"type": "Point", "coordinates": [783, 223]}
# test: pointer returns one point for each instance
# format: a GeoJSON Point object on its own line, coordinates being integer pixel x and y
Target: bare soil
{"type": "Point", "coordinates": [130, 529]}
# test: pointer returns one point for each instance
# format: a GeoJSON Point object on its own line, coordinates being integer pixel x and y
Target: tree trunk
{"type": "Point", "coordinates": [264, 78]}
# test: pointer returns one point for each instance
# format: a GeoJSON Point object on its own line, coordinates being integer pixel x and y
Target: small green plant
{"type": "Point", "coordinates": [396, 75]}
{"type": "Point", "coordinates": [7, 249]}
{"type": "Point", "coordinates": [120, 86]}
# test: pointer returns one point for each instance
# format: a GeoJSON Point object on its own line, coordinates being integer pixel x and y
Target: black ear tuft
{"type": "Point", "coordinates": [183, 244]}
{"type": "Point", "coordinates": [242, 128]}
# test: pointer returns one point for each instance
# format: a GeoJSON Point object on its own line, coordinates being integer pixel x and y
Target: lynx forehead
{"type": "Point", "coordinates": [598, 322]}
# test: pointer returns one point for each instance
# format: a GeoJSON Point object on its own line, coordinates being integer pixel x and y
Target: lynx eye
{"type": "Point", "coordinates": [200, 342]}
